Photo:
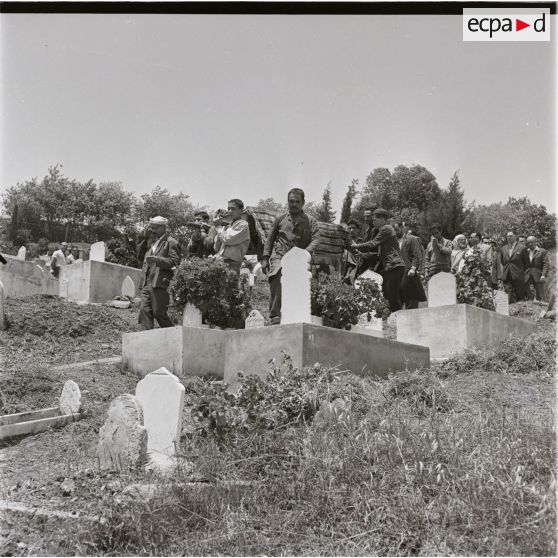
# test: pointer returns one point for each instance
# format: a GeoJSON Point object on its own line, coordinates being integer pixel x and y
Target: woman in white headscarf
{"type": "Point", "coordinates": [459, 249]}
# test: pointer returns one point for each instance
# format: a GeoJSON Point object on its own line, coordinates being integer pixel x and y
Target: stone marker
{"type": "Point", "coordinates": [254, 319]}
{"type": "Point", "coordinates": [123, 438]}
{"type": "Point", "coordinates": [21, 253]}
{"type": "Point", "coordinates": [128, 288]}
{"type": "Point", "coordinates": [295, 287]}
{"type": "Point", "coordinates": [162, 397]}
{"type": "Point", "coordinates": [192, 316]}
{"type": "Point", "coordinates": [70, 399]}
{"type": "Point", "coordinates": [442, 290]}
{"type": "Point", "coordinates": [372, 275]}
{"type": "Point", "coordinates": [63, 286]}
{"type": "Point", "coordinates": [373, 327]}
{"type": "Point", "coordinates": [97, 251]}
{"type": "Point", "coordinates": [502, 302]}
{"type": "Point", "coordinates": [2, 309]}
{"type": "Point", "coordinates": [392, 319]}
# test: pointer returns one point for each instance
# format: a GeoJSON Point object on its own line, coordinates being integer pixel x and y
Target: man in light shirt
{"type": "Point", "coordinates": [232, 241]}
{"type": "Point", "coordinates": [58, 259]}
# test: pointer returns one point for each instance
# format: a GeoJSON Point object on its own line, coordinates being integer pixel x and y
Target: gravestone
{"type": "Point", "coordinates": [295, 287]}
{"type": "Point", "coordinates": [502, 302]}
{"type": "Point", "coordinates": [162, 397]}
{"type": "Point", "coordinates": [97, 252]}
{"type": "Point", "coordinates": [2, 308]}
{"type": "Point", "coordinates": [123, 438]}
{"type": "Point", "coordinates": [442, 290]}
{"type": "Point", "coordinates": [128, 287]}
{"type": "Point", "coordinates": [21, 253]}
{"type": "Point", "coordinates": [192, 316]}
{"type": "Point", "coordinates": [254, 319]}
{"type": "Point", "coordinates": [63, 287]}
{"type": "Point", "coordinates": [70, 399]}
{"type": "Point", "coordinates": [372, 276]}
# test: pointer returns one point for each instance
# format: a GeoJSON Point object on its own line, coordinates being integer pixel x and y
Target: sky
{"type": "Point", "coordinates": [248, 106]}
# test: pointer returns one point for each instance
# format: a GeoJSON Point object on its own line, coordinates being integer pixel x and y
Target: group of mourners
{"type": "Point", "coordinates": [389, 249]}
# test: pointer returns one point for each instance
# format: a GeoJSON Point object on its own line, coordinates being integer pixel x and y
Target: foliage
{"type": "Point", "coordinates": [325, 212]}
{"type": "Point", "coordinates": [343, 304]}
{"type": "Point", "coordinates": [269, 204]}
{"type": "Point", "coordinates": [122, 250]}
{"type": "Point", "coordinates": [524, 217]}
{"type": "Point", "coordinates": [285, 395]}
{"type": "Point", "coordinates": [213, 288]}
{"type": "Point", "coordinates": [348, 201]}
{"type": "Point", "coordinates": [472, 284]}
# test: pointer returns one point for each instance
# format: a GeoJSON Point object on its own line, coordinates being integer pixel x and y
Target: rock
{"type": "Point", "coordinates": [123, 438]}
{"type": "Point", "coordinates": [68, 487]}
{"type": "Point", "coordinates": [70, 399]}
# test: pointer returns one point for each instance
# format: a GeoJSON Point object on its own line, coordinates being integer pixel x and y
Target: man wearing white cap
{"type": "Point", "coordinates": [158, 262]}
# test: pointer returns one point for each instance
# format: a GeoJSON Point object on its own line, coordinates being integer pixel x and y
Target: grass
{"type": "Point", "coordinates": [454, 460]}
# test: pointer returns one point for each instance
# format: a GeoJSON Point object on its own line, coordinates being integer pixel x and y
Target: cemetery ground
{"type": "Point", "coordinates": [457, 459]}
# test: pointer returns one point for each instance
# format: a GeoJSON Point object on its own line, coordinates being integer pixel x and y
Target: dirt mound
{"type": "Point", "coordinates": [49, 316]}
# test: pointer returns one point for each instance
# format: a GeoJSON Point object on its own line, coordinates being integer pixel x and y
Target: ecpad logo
{"type": "Point", "coordinates": [491, 26]}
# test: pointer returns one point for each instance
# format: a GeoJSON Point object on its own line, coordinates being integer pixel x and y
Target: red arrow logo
{"type": "Point", "coordinates": [519, 25]}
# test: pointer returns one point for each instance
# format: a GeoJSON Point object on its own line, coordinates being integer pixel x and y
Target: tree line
{"type": "Point", "coordinates": [57, 208]}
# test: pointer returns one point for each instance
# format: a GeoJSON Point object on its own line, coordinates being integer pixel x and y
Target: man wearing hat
{"type": "Point", "coordinates": [58, 259]}
{"type": "Point", "coordinates": [158, 263]}
{"type": "Point", "coordinates": [391, 262]}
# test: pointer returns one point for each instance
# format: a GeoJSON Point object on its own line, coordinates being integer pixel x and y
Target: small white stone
{"type": "Point", "coordinates": [97, 251]}
{"type": "Point", "coordinates": [295, 287]}
{"type": "Point", "coordinates": [502, 302]}
{"type": "Point", "coordinates": [192, 316]}
{"type": "Point", "coordinates": [254, 319]}
{"type": "Point", "coordinates": [21, 253]}
{"type": "Point", "coordinates": [442, 290]}
{"type": "Point", "coordinates": [128, 287]}
{"type": "Point", "coordinates": [70, 399]}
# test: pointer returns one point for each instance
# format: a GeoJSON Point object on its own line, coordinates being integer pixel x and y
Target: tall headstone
{"type": "Point", "coordinates": [21, 253]}
{"type": "Point", "coordinates": [442, 290]}
{"type": "Point", "coordinates": [162, 397]}
{"type": "Point", "coordinates": [295, 287]}
{"type": "Point", "coordinates": [2, 308]}
{"type": "Point", "coordinates": [192, 316]}
{"type": "Point", "coordinates": [97, 252]}
{"type": "Point", "coordinates": [70, 399]}
{"type": "Point", "coordinates": [502, 302]}
{"type": "Point", "coordinates": [254, 319]}
{"type": "Point", "coordinates": [123, 438]}
{"type": "Point", "coordinates": [63, 286]}
{"type": "Point", "coordinates": [128, 287]}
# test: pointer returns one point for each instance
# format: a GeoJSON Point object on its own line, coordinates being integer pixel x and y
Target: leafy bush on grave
{"type": "Point", "coordinates": [286, 395]}
{"type": "Point", "coordinates": [472, 284]}
{"type": "Point", "coordinates": [214, 289]}
{"type": "Point", "coordinates": [342, 304]}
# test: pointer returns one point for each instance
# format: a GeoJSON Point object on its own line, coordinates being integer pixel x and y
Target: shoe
{"type": "Point", "coordinates": [275, 321]}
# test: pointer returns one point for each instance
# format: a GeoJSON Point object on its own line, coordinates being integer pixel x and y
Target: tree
{"type": "Point", "coordinates": [325, 209]}
{"type": "Point", "coordinates": [378, 191]}
{"type": "Point", "coordinates": [453, 201]}
{"type": "Point", "coordinates": [348, 201]}
{"type": "Point", "coordinates": [313, 209]}
{"type": "Point", "coordinates": [415, 187]}
{"type": "Point", "coordinates": [269, 204]}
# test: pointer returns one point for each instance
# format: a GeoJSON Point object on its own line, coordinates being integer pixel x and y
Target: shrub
{"type": "Point", "coordinates": [343, 304]}
{"type": "Point", "coordinates": [472, 286]}
{"type": "Point", "coordinates": [214, 289]}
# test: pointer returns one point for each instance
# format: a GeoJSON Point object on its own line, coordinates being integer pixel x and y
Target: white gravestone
{"type": "Point", "coordinates": [123, 438]}
{"type": "Point", "coordinates": [70, 399]}
{"type": "Point", "coordinates": [21, 253]}
{"type": "Point", "coordinates": [2, 308]}
{"type": "Point", "coordinates": [128, 288]}
{"type": "Point", "coordinates": [295, 287]}
{"type": "Point", "coordinates": [502, 302]}
{"type": "Point", "coordinates": [192, 316]}
{"type": "Point", "coordinates": [372, 275]}
{"type": "Point", "coordinates": [97, 252]}
{"type": "Point", "coordinates": [254, 319]}
{"type": "Point", "coordinates": [442, 290]}
{"type": "Point", "coordinates": [63, 287]}
{"type": "Point", "coordinates": [162, 397]}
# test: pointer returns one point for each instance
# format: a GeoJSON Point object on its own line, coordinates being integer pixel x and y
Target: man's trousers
{"type": "Point", "coordinates": [392, 287]}
{"type": "Point", "coordinates": [154, 306]}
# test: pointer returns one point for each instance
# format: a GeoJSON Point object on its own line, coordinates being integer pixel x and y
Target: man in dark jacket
{"type": "Point", "coordinates": [368, 259]}
{"type": "Point", "coordinates": [412, 291]}
{"type": "Point", "coordinates": [538, 270]}
{"type": "Point", "coordinates": [159, 261]}
{"type": "Point", "coordinates": [515, 262]}
{"type": "Point", "coordinates": [391, 263]}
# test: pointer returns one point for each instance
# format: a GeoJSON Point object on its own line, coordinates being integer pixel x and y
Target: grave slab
{"type": "Point", "coordinates": [95, 282]}
{"type": "Point", "coordinates": [145, 351]}
{"type": "Point", "coordinates": [21, 278]}
{"type": "Point", "coordinates": [447, 330]}
{"type": "Point", "coordinates": [249, 351]}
